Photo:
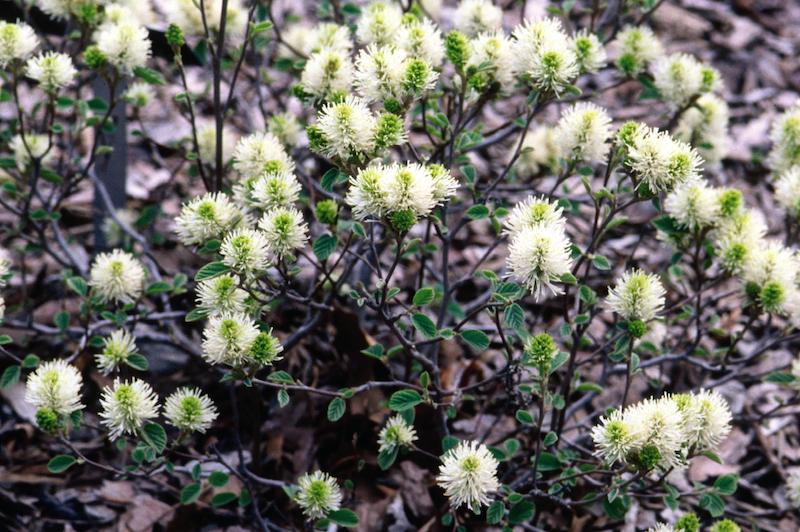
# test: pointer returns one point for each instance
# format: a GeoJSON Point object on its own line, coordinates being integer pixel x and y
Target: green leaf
{"type": "Point", "coordinates": [324, 246]}
{"type": "Point", "coordinates": [524, 417]}
{"type": "Point", "coordinates": [30, 361]}
{"type": "Point", "coordinates": [283, 397]}
{"type": "Point", "coordinates": [155, 436]}
{"type": "Point", "coordinates": [549, 462]}
{"type": "Point", "coordinates": [190, 493]}
{"type": "Point", "coordinates": [159, 287]}
{"type": "Point", "coordinates": [423, 297]}
{"type": "Point", "coordinates": [149, 75]}
{"type": "Point", "coordinates": [138, 361]}
{"type": "Point", "coordinates": [196, 315]}
{"type": "Point", "coordinates": [404, 400]}
{"type": "Point", "coordinates": [550, 439]}
{"type": "Point", "coordinates": [336, 409]}
{"type": "Point", "coordinates": [727, 484]}
{"type": "Point", "coordinates": [211, 270]}
{"type": "Point", "coordinates": [514, 316]}
{"type": "Point", "coordinates": [344, 517]}
{"type": "Point", "coordinates": [332, 178]}
{"type": "Point", "coordinates": [61, 319]}
{"type": "Point", "coordinates": [78, 285]}
{"type": "Point", "coordinates": [478, 340]}
{"type": "Point", "coordinates": [218, 479]}
{"type": "Point", "coordinates": [780, 378]}
{"type": "Point", "coordinates": [478, 212]}
{"type": "Point", "coordinates": [387, 457]}
{"type": "Point", "coordinates": [495, 512]}
{"type": "Point", "coordinates": [5, 339]}
{"type": "Point", "coordinates": [712, 456]}
{"type": "Point", "coordinates": [221, 499]}
{"type": "Point", "coordinates": [713, 504]}
{"type": "Point", "coordinates": [601, 263]}
{"type": "Point", "coordinates": [521, 512]}
{"type": "Point", "coordinates": [10, 376]}
{"type": "Point", "coordinates": [60, 463]}
{"type": "Point", "coordinates": [424, 325]}
{"type": "Point", "coordinates": [281, 377]}
{"type": "Point", "coordinates": [589, 387]}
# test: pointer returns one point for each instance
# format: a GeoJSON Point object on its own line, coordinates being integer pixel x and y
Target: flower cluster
{"type": "Point", "coordinates": [117, 277]}
{"type": "Point", "coordinates": [54, 389]}
{"type": "Point", "coordinates": [663, 433]}
{"type": "Point", "coordinates": [539, 252]}
{"type": "Point", "coordinates": [400, 194]}
{"type": "Point", "coordinates": [468, 475]}
{"type": "Point", "coordinates": [318, 494]}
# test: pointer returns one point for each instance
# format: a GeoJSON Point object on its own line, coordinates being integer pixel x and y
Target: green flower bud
{"type": "Point", "coordinates": [47, 420]}
{"type": "Point", "coordinates": [327, 211]}
{"type": "Point", "coordinates": [388, 132]}
{"type": "Point", "coordinates": [403, 221]}
{"type": "Point", "coordinates": [94, 58]}
{"type": "Point", "coordinates": [648, 458]}
{"type": "Point", "coordinates": [539, 352]}
{"type": "Point", "coordinates": [637, 328]}
{"type": "Point", "coordinates": [416, 78]}
{"type": "Point", "coordinates": [730, 202]}
{"type": "Point", "coordinates": [87, 14]}
{"type": "Point", "coordinates": [316, 140]}
{"type": "Point", "coordinates": [175, 37]}
{"type": "Point", "coordinates": [265, 349]}
{"type": "Point", "coordinates": [772, 296]}
{"type": "Point", "coordinates": [392, 105]}
{"type": "Point", "coordinates": [725, 525]}
{"type": "Point", "coordinates": [628, 64]}
{"type": "Point", "coordinates": [456, 48]}
{"type": "Point", "coordinates": [688, 523]}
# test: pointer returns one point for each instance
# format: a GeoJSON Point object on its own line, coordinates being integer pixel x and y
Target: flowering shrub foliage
{"type": "Point", "coordinates": [422, 227]}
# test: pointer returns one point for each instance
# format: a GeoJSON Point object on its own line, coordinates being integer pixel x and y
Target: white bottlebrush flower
{"type": "Point", "coordinates": [126, 406]}
{"type": "Point", "coordinates": [787, 191]}
{"type": "Point", "coordinates": [738, 237]}
{"type": "Point", "coordinates": [694, 204]}
{"type": "Point", "coordinates": [614, 438]}
{"type": "Point", "coordinates": [331, 36]}
{"type": "Point", "coordinates": [770, 274]}
{"type": "Point", "coordinates": [705, 126]}
{"type": "Point", "coordinates": [207, 144]}
{"type": "Point", "coordinates": [678, 77]}
{"type": "Point", "coordinates": [379, 190]}
{"type": "Point", "coordinates": [785, 137]}
{"type": "Point", "coordinates": [539, 151]}
{"type": "Point", "coordinates": [468, 475]}
{"type": "Point", "coordinates": [126, 45]}
{"type": "Point", "coordinates": [491, 55]}
{"type": "Point", "coordinates": [793, 488]}
{"type": "Point", "coordinates": [379, 23]}
{"type": "Point", "coordinates": [140, 94]}
{"type": "Point", "coordinates": [187, 15]}
{"type": "Point", "coordinates": [534, 211]}
{"type": "Point", "coordinates": [395, 434]}
{"type": "Point", "coordinates": [379, 72]}
{"type": "Point", "coordinates": [55, 385]}
{"type": "Point", "coordinates": [348, 128]}
{"type": "Point", "coordinates": [657, 424]}
{"type": "Point", "coordinates": [117, 348]}
{"type": "Point", "coordinates": [17, 42]}
{"type": "Point", "coordinates": [271, 191]}
{"type": "Point", "coordinates": [662, 162]}
{"type": "Point", "coordinates": [207, 217]}
{"type": "Point", "coordinates": [285, 231]}
{"type": "Point", "coordinates": [318, 494]}
{"type": "Point", "coordinates": [245, 251]}
{"type": "Point", "coordinates": [286, 128]}
{"type": "Point", "coordinates": [538, 256]}
{"type": "Point", "coordinates": [327, 72]}
{"type": "Point", "coordinates": [53, 70]}
{"type": "Point", "coordinates": [636, 48]}
{"type": "Point", "coordinates": [583, 132]}
{"type": "Point", "coordinates": [227, 338]}
{"type": "Point", "coordinates": [259, 153]}
{"type": "Point", "coordinates": [661, 527]}
{"type": "Point", "coordinates": [34, 145]}
{"type": "Point", "coordinates": [476, 16]}
{"type": "Point", "coordinates": [190, 410]}
{"type": "Point", "coordinates": [134, 11]}
{"type": "Point", "coordinates": [62, 9]}
{"type": "Point", "coordinates": [117, 276]}
{"type": "Point", "coordinates": [589, 52]}
{"type": "Point", "coordinates": [543, 55]}
{"type": "Point", "coordinates": [706, 419]}
{"type": "Point", "coordinates": [221, 294]}
{"type": "Point", "coordinates": [422, 39]}
{"type": "Point", "coordinates": [297, 39]}
{"type": "Point", "coordinates": [637, 296]}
